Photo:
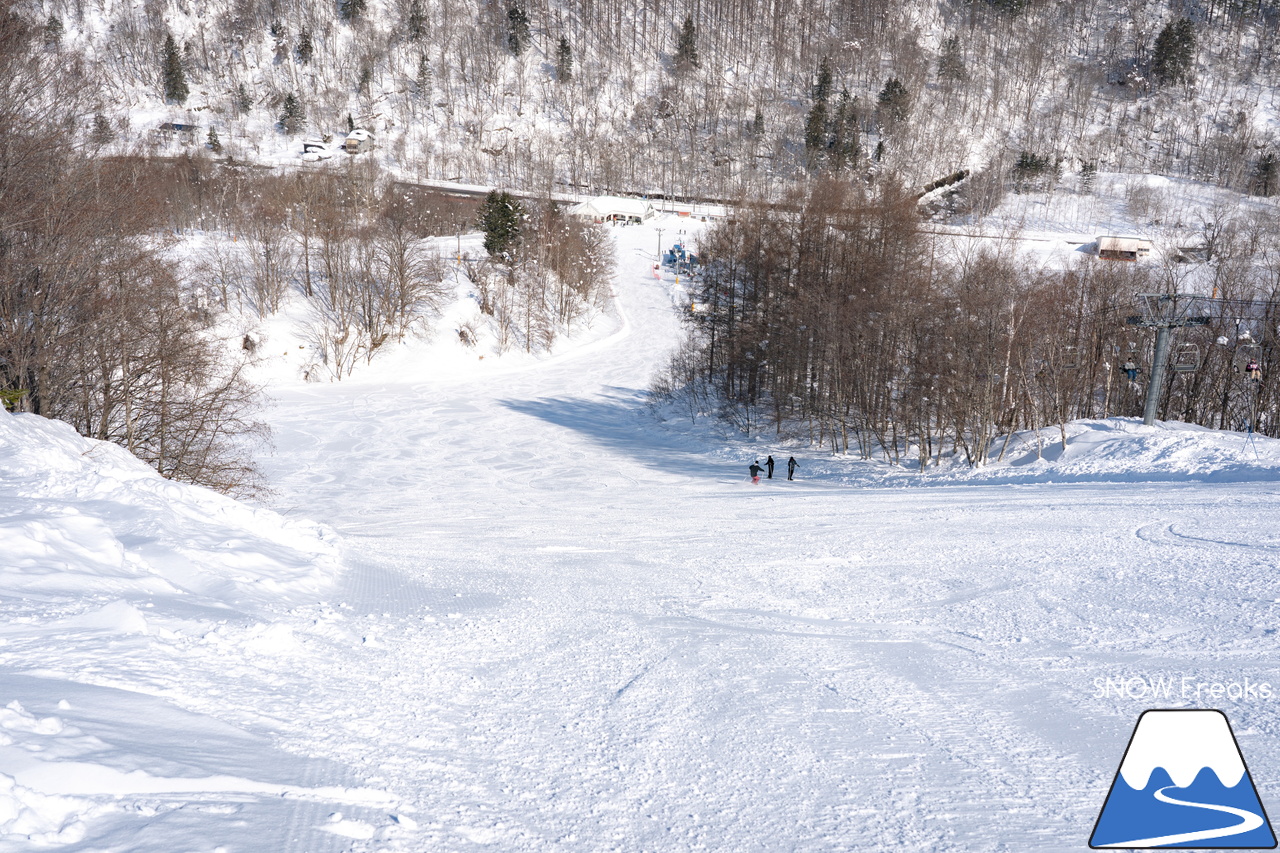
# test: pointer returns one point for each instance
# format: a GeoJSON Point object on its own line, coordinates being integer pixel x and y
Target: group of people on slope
{"type": "Point", "coordinates": [755, 469]}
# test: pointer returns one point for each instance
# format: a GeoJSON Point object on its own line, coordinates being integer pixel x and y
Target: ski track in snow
{"type": "Point", "coordinates": [563, 626]}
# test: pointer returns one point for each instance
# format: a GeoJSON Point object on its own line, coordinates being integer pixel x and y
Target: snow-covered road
{"type": "Point", "coordinates": [563, 625]}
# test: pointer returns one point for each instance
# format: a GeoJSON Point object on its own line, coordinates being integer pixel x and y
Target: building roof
{"type": "Point", "coordinates": [1123, 244]}
{"type": "Point", "coordinates": [612, 205]}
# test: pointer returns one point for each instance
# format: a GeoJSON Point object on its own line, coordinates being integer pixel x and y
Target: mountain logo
{"type": "Point", "coordinates": [1183, 783]}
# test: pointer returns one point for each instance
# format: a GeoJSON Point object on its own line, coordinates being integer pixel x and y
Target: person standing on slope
{"type": "Point", "coordinates": [791, 468]}
{"type": "Point", "coordinates": [769, 464]}
{"type": "Point", "coordinates": [755, 470]}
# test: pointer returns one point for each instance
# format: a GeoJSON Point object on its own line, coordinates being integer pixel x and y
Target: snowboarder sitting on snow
{"type": "Point", "coordinates": [755, 470]}
{"type": "Point", "coordinates": [769, 464]}
{"type": "Point", "coordinates": [791, 468]}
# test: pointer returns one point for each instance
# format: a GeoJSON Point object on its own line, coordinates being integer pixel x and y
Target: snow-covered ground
{"type": "Point", "coordinates": [504, 607]}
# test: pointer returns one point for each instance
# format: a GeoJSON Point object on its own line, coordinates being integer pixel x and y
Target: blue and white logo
{"type": "Point", "coordinates": [1183, 783]}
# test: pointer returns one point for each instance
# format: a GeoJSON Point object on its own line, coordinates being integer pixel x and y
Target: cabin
{"type": "Point", "coordinates": [358, 141]}
{"type": "Point", "coordinates": [608, 208]}
{"type": "Point", "coordinates": [177, 131]}
{"type": "Point", "coordinates": [1123, 248]}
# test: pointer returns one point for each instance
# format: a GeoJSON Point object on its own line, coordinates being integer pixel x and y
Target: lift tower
{"type": "Point", "coordinates": [1164, 312]}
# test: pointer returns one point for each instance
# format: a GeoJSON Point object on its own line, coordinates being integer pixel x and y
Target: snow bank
{"type": "Point", "coordinates": [1124, 450]}
{"type": "Point", "coordinates": [84, 516]}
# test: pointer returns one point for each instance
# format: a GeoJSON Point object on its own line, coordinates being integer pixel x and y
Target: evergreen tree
{"type": "Point", "coordinates": [757, 124]}
{"type": "Point", "coordinates": [291, 117]}
{"type": "Point", "coordinates": [815, 125]}
{"type": "Point", "coordinates": [951, 62]}
{"type": "Point", "coordinates": [845, 145]}
{"type": "Point", "coordinates": [53, 32]}
{"type": "Point", "coordinates": [894, 101]}
{"type": "Point", "coordinates": [822, 86]}
{"type": "Point", "coordinates": [101, 134]}
{"type": "Point", "coordinates": [423, 77]}
{"type": "Point", "coordinates": [416, 25]}
{"type": "Point", "coordinates": [366, 78]}
{"type": "Point", "coordinates": [277, 30]}
{"type": "Point", "coordinates": [564, 60]}
{"type": "Point", "coordinates": [214, 143]}
{"type": "Point", "coordinates": [305, 48]}
{"type": "Point", "coordinates": [687, 46]}
{"type": "Point", "coordinates": [500, 222]}
{"type": "Point", "coordinates": [175, 80]}
{"type": "Point", "coordinates": [243, 101]}
{"type": "Point", "coordinates": [1175, 47]}
{"type": "Point", "coordinates": [350, 10]}
{"type": "Point", "coordinates": [517, 29]}
{"type": "Point", "coordinates": [1264, 174]}
{"type": "Point", "coordinates": [815, 128]}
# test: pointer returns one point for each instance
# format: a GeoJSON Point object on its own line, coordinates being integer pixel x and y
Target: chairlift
{"type": "Point", "coordinates": [1070, 358]}
{"type": "Point", "coordinates": [1187, 359]}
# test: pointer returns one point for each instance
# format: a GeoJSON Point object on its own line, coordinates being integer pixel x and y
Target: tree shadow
{"type": "Point", "coordinates": [621, 423]}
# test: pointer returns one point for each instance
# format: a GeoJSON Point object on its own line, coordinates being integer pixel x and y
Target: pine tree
{"type": "Point", "coordinates": [500, 222]}
{"type": "Point", "coordinates": [305, 48]}
{"type": "Point", "coordinates": [1175, 47]}
{"type": "Point", "coordinates": [1264, 174]}
{"type": "Point", "coordinates": [214, 143]}
{"type": "Point", "coordinates": [822, 86]}
{"type": "Point", "coordinates": [243, 101]}
{"type": "Point", "coordinates": [101, 134]}
{"type": "Point", "coordinates": [845, 145]}
{"type": "Point", "coordinates": [894, 101]}
{"type": "Point", "coordinates": [416, 25]}
{"type": "Point", "coordinates": [687, 46]}
{"type": "Point", "coordinates": [350, 10]}
{"type": "Point", "coordinates": [757, 124]}
{"type": "Point", "coordinates": [291, 118]}
{"type": "Point", "coordinates": [175, 80]}
{"type": "Point", "coordinates": [423, 78]}
{"type": "Point", "coordinates": [564, 60]}
{"type": "Point", "coordinates": [517, 29]}
{"type": "Point", "coordinates": [815, 125]}
{"type": "Point", "coordinates": [815, 128]}
{"type": "Point", "coordinates": [53, 32]}
{"type": "Point", "coordinates": [951, 62]}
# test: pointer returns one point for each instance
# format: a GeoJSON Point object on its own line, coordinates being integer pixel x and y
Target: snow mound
{"type": "Point", "coordinates": [81, 516]}
{"type": "Point", "coordinates": [1123, 449]}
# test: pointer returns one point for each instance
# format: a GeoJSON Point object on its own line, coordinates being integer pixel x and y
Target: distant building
{"type": "Point", "coordinates": [1123, 248]}
{"type": "Point", "coordinates": [358, 141]}
{"type": "Point", "coordinates": [610, 208]}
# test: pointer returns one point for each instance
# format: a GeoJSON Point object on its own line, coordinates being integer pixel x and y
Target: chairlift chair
{"type": "Point", "coordinates": [1187, 359]}
{"type": "Point", "coordinates": [1069, 358]}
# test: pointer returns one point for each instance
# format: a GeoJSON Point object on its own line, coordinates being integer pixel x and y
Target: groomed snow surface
{"type": "Point", "coordinates": [502, 606]}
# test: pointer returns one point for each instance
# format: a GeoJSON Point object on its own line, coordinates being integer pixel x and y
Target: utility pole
{"type": "Point", "coordinates": [1163, 312]}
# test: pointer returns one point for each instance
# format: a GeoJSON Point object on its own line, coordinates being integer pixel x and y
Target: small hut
{"type": "Point", "coordinates": [1123, 248]}
{"type": "Point", "coordinates": [358, 141]}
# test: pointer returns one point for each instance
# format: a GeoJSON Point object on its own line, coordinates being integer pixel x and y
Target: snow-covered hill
{"type": "Point", "coordinates": [508, 608]}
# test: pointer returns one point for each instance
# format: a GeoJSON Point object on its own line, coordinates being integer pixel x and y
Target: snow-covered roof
{"type": "Point", "coordinates": [612, 205]}
{"type": "Point", "coordinates": [1123, 244]}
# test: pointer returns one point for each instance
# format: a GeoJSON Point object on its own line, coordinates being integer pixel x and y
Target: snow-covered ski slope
{"type": "Point", "coordinates": [562, 625]}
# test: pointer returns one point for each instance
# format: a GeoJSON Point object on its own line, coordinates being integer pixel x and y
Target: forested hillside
{"type": "Point", "coordinates": [702, 98]}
